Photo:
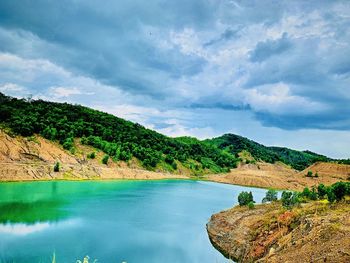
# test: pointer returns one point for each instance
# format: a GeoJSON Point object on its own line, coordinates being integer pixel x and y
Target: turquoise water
{"type": "Point", "coordinates": [112, 221]}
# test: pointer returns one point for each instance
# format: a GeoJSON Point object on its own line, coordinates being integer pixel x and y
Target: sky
{"type": "Point", "coordinates": [277, 72]}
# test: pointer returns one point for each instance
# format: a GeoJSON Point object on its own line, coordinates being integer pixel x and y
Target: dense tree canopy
{"type": "Point", "coordinates": [122, 140]}
{"type": "Point", "coordinates": [118, 138]}
{"type": "Point", "coordinates": [235, 144]}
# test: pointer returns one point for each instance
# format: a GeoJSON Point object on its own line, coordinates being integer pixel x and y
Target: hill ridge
{"type": "Point", "coordinates": [122, 140]}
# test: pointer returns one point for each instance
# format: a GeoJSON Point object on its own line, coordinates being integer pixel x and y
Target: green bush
{"type": "Point", "coordinates": [309, 174]}
{"type": "Point", "coordinates": [68, 143]}
{"type": "Point", "coordinates": [91, 155]}
{"type": "Point", "coordinates": [321, 191]}
{"type": "Point", "coordinates": [306, 193]}
{"type": "Point", "coordinates": [330, 195]}
{"type": "Point", "coordinates": [169, 159]}
{"type": "Point", "coordinates": [289, 199]}
{"type": "Point", "coordinates": [244, 198]}
{"type": "Point", "coordinates": [56, 168]}
{"type": "Point", "coordinates": [174, 165]}
{"type": "Point", "coordinates": [105, 159]}
{"type": "Point", "coordinates": [339, 189]}
{"type": "Point", "coordinates": [251, 205]}
{"type": "Point", "coordinates": [271, 195]}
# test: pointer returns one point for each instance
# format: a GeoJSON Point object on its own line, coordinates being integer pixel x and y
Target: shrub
{"type": "Point", "coordinates": [169, 159]}
{"type": "Point", "coordinates": [56, 168]}
{"type": "Point", "coordinates": [313, 194]}
{"type": "Point", "coordinates": [251, 205]}
{"type": "Point", "coordinates": [330, 195]}
{"type": "Point", "coordinates": [68, 143]}
{"type": "Point", "coordinates": [339, 189]}
{"type": "Point", "coordinates": [105, 159]}
{"type": "Point", "coordinates": [271, 195]}
{"type": "Point", "coordinates": [306, 193]}
{"type": "Point", "coordinates": [91, 155]}
{"type": "Point", "coordinates": [321, 191]}
{"type": "Point", "coordinates": [174, 165]}
{"type": "Point", "coordinates": [309, 174]}
{"type": "Point", "coordinates": [316, 175]}
{"type": "Point", "coordinates": [289, 199]}
{"type": "Point", "coordinates": [244, 198]}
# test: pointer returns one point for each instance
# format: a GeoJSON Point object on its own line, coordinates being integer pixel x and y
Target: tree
{"type": "Point", "coordinates": [309, 174]}
{"type": "Point", "coordinates": [105, 159]}
{"type": "Point", "coordinates": [91, 155]}
{"type": "Point", "coordinates": [56, 168]}
{"type": "Point", "coordinates": [251, 205]}
{"type": "Point", "coordinates": [244, 198]}
{"type": "Point", "coordinates": [339, 189]}
{"type": "Point", "coordinates": [289, 199]}
{"type": "Point", "coordinates": [321, 191]}
{"type": "Point", "coordinates": [271, 195]}
{"type": "Point", "coordinates": [330, 195]}
{"type": "Point", "coordinates": [68, 143]}
{"type": "Point", "coordinates": [50, 133]}
{"type": "Point", "coordinates": [174, 165]}
{"type": "Point", "coordinates": [169, 159]}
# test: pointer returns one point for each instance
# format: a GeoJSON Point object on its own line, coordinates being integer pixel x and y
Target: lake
{"type": "Point", "coordinates": [112, 221]}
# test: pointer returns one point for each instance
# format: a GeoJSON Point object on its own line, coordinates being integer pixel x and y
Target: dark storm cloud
{"type": "Point", "coordinates": [205, 54]}
{"type": "Point", "coordinates": [108, 41]}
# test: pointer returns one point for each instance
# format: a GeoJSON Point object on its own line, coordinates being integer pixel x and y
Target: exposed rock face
{"type": "Point", "coordinates": [315, 232]}
{"type": "Point", "coordinates": [33, 158]}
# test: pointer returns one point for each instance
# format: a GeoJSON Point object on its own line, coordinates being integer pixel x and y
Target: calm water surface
{"type": "Point", "coordinates": [112, 221]}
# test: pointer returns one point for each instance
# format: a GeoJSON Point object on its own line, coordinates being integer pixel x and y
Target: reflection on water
{"type": "Point", "coordinates": [31, 212]}
{"type": "Point", "coordinates": [25, 229]}
{"type": "Point", "coordinates": [132, 221]}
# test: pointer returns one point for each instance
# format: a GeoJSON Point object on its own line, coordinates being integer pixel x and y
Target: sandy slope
{"type": "Point", "coordinates": [281, 176]}
{"type": "Point", "coordinates": [23, 159]}
{"type": "Point", "coordinates": [34, 159]}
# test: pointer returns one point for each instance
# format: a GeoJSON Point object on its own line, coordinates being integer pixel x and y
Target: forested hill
{"type": "Point", "coordinates": [235, 144]}
{"type": "Point", "coordinates": [123, 140]}
{"type": "Point", "coordinates": [118, 138]}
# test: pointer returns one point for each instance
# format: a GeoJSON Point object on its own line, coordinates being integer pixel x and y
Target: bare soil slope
{"type": "Point", "coordinates": [34, 158]}
{"type": "Point", "coordinates": [280, 176]}
{"type": "Point", "coordinates": [316, 232]}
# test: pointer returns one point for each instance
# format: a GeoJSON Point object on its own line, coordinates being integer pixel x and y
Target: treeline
{"type": "Point", "coordinates": [333, 193]}
{"type": "Point", "coordinates": [235, 144]}
{"type": "Point", "coordinates": [118, 138]}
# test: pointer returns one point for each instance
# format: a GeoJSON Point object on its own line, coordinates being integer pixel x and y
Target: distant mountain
{"type": "Point", "coordinates": [234, 144]}
{"type": "Point", "coordinates": [122, 140]}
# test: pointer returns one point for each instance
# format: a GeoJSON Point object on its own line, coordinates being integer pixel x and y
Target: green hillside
{"type": "Point", "coordinates": [123, 140]}
{"type": "Point", "coordinates": [118, 138]}
{"type": "Point", "coordinates": [235, 144]}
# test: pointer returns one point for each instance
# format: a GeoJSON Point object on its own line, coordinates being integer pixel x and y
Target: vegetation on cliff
{"type": "Point", "coordinates": [312, 225]}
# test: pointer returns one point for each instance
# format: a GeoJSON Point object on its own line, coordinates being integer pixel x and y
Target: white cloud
{"type": "Point", "coordinates": [277, 99]}
{"type": "Point", "coordinates": [64, 92]}
{"type": "Point", "coordinates": [14, 90]}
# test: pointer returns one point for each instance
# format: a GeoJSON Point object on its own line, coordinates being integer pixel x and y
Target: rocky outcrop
{"type": "Point", "coordinates": [315, 232]}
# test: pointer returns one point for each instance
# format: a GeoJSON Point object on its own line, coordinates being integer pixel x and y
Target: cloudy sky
{"type": "Point", "coordinates": [277, 72]}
